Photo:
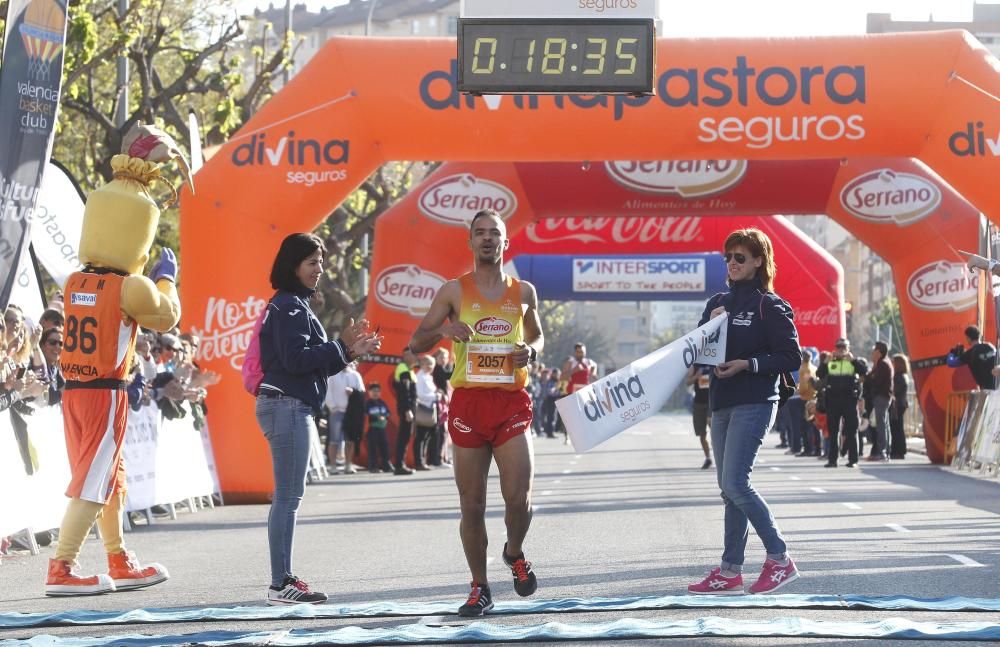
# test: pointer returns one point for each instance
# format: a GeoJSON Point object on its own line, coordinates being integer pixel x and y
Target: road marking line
{"type": "Point", "coordinates": [490, 559]}
{"type": "Point", "coordinates": [578, 456]}
{"type": "Point", "coordinates": [645, 433]}
{"type": "Point", "coordinates": [967, 561]}
{"type": "Point", "coordinates": [818, 490]}
{"type": "Point", "coordinates": [775, 469]}
{"type": "Point", "coordinates": [546, 492]}
{"type": "Point", "coordinates": [430, 620]}
{"type": "Point", "coordinates": [851, 506]}
{"type": "Point", "coordinates": [557, 482]}
{"type": "Point", "coordinates": [794, 478]}
{"type": "Point", "coordinates": [896, 527]}
{"type": "Point", "coordinates": [572, 462]}
{"type": "Point", "coordinates": [567, 471]}
{"type": "Point", "coordinates": [535, 508]}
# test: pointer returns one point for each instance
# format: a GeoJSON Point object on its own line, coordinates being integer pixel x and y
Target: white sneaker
{"type": "Point", "coordinates": [294, 591]}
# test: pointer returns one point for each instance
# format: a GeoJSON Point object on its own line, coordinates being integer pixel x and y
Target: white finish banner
{"type": "Point", "coordinates": [558, 9]}
{"type": "Point", "coordinates": [614, 403]}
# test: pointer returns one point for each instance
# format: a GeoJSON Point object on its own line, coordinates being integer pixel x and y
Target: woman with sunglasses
{"type": "Point", "coordinates": [762, 343]}
{"type": "Point", "coordinates": [297, 359]}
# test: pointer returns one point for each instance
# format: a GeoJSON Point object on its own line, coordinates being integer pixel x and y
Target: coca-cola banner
{"type": "Point", "coordinates": [29, 103]}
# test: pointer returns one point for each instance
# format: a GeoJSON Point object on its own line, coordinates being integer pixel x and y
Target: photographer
{"type": "Point", "coordinates": [981, 358]}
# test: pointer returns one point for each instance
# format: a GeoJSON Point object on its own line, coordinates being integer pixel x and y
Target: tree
{"type": "Point", "coordinates": [348, 235]}
{"type": "Point", "coordinates": [562, 331]}
{"type": "Point", "coordinates": [890, 322]}
{"type": "Point", "coordinates": [190, 56]}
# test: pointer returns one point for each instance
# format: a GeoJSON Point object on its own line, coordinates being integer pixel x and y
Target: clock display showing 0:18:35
{"type": "Point", "coordinates": [564, 56]}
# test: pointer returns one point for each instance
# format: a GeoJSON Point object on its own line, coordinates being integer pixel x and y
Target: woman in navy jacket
{"type": "Point", "coordinates": [761, 344]}
{"type": "Point", "coordinates": [297, 359]}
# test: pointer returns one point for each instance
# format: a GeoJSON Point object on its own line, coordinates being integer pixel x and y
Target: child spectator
{"type": "Point", "coordinates": [378, 419]}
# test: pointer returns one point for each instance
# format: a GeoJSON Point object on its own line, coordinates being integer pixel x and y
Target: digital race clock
{"type": "Point", "coordinates": [556, 56]}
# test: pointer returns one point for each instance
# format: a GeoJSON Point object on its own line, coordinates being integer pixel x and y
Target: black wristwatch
{"type": "Point", "coordinates": [533, 355]}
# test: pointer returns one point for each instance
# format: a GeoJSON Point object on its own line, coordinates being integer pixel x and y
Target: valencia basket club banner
{"type": "Point", "coordinates": [614, 403]}
{"type": "Point", "coordinates": [29, 100]}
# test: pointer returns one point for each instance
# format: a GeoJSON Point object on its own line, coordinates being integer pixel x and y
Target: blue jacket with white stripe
{"type": "Point", "coordinates": [295, 355]}
{"type": "Point", "coordinates": [761, 330]}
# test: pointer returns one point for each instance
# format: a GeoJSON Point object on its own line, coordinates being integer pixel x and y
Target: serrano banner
{"type": "Point", "coordinates": [847, 106]}
{"type": "Point", "coordinates": [614, 403]}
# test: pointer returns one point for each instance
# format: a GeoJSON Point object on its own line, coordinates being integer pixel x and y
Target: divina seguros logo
{"type": "Point", "coordinates": [612, 394]}
{"type": "Point", "coordinates": [740, 85]}
{"type": "Point", "coordinates": [686, 178]}
{"type": "Point", "coordinates": [973, 142]}
{"type": "Point", "coordinates": [306, 157]}
{"type": "Point", "coordinates": [890, 196]}
{"type": "Point", "coordinates": [455, 199]}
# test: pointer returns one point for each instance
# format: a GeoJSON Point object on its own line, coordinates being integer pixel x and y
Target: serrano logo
{"type": "Point", "coordinates": [455, 199]}
{"type": "Point", "coordinates": [461, 426]}
{"type": "Point", "coordinates": [944, 285]}
{"type": "Point", "coordinates": [889, 196]}
{"type": "Point", "coordinates": [493, 327]}
{"type": "Point", "coordinates": [407, 288]}
{"type": "Point", "coordinates": [686, 178]}
{"type": "Point", "coordinates": [607, 396]}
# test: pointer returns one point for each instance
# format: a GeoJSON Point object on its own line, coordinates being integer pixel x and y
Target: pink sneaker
{"type": "Point", "coordinates": [774, 576]}
{"type": "Point", "coordinates": [716, 584]}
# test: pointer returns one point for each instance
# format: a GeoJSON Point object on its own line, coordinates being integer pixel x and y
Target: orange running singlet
{"type": "Point", "coordinates": [486, 360]}
{"type": "Point", "coordinates": [99, 339]}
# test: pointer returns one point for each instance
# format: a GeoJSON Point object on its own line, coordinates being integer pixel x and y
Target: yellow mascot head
{"type": "Point", "coordinates": [121, 217]}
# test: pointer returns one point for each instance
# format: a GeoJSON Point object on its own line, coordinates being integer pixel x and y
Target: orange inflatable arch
{"type": "Point", "coordinates": [362, 102]}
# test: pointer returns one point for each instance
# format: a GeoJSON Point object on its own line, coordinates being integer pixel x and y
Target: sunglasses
{"type": "Point", "coordinates": [739, 258]}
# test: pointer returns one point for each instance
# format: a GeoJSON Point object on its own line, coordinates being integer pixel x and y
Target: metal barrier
{"type": "Point", "coordinates": [954, 410]}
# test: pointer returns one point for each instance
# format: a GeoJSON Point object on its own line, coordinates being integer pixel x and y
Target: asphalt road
{"type": "Point", "coordinates": [636, 516]}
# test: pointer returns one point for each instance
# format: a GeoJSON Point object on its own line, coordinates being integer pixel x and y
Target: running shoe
{"type": "Point", "coordinates": [525, 582]}
{"type": "Point", "coordinates": [717, 584]}
{"type": "Point", "coordinates": [293, 591]}
{"type": "Point", "coordinates": [774, 576]}
{"type": "Point", "coordinates": [706, 464]}
{"type": "Point", "coordinates": [480, 601]}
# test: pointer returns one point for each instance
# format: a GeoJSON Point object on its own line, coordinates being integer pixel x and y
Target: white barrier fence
{"type": "Point", "coordinates": [166, 461]}
{"type": "Point", "coordinates": [978, 446]}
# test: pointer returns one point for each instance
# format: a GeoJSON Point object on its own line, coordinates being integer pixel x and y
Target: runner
{"type": "Point", "coordinates": [493, 320]}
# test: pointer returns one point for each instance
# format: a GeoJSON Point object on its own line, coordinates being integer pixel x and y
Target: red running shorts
{"type": "Point", "coordinates": [479, 417]}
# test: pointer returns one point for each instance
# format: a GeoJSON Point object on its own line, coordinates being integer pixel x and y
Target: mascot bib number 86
{"type": "Point", "coordinates": [105, 303]}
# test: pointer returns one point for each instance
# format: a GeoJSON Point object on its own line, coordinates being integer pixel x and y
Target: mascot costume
{"type": "Point", "coordinates": [105, 303]}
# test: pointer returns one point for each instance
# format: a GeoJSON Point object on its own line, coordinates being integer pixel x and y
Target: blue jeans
{"type": "Point", "coordinates": [286, 423]}
{"type": "Point", "coordinates": [737, 433]}
{"type": "Point", "coordinates": [335, 432]}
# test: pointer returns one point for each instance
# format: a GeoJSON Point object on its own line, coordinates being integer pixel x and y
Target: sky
{"type": "Point", "coordinates": [720, 18]}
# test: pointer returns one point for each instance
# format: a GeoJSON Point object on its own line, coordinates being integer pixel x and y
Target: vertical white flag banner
{"type": "Point", "coordinates": [614, 403]}
{"type": "Point", "coordinates": [55, 231]}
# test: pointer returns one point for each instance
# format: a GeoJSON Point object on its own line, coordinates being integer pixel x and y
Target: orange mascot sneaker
{"type": "Point", "coordinates": [127, 573]}
{"type": "Point", "coordinates": [64, 580]}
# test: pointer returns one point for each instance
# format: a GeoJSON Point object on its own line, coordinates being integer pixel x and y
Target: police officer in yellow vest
{"type": "Point", "coordinates": [842, 388]}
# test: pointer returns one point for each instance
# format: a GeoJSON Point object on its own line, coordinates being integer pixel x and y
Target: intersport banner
{"type": "Point", "coordinates": [29, 103]}
{"type": "Point", "coordinates": [609, 406]}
